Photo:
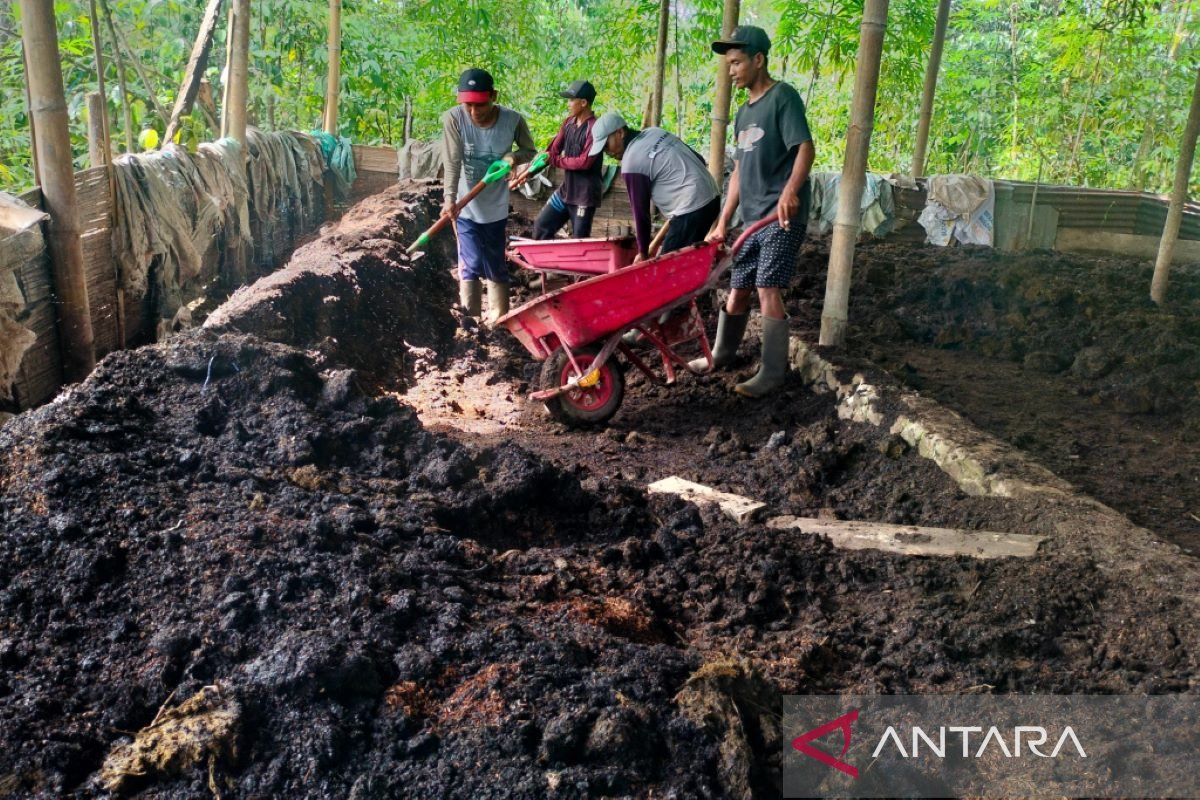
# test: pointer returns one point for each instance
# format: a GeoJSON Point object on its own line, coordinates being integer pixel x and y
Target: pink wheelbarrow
{"type": "Point", "coordinates": [577, 330]}
{"type": "Point", "coordinates": [577, 259]}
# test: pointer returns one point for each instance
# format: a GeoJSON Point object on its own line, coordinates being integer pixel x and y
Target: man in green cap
{"type": "Point", "coordinates": [772, 160]}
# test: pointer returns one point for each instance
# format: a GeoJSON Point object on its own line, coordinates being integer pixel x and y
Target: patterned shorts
{"type": "Point", "coordinates": [768, 258]}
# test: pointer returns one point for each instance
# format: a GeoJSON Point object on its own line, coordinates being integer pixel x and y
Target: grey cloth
{"type": "Point", "coordinates": [468, 151]}
{"type": "Point", "coordinates": [768, 132]}
{"type": "Point", "coordinates": [878, 207]}
{"type": "Point", "coordinates": [679, 180]}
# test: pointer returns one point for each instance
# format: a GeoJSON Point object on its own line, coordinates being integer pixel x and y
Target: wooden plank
{"type": "Point", "coordinates": [195, 67]}
{"type": "Point", "coordinates": [914, 540]}
{"type": "Point", "coordinates": [740, 509]}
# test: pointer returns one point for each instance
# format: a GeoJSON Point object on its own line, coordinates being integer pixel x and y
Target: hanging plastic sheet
{"type": "Point", "coordinates": [418, 160]}
{"type": "Point", "coordinates": [20, 243]}
{"type": "Point", "coordinates": [960, 207]}
{"type": "Point", "coordinates": [878, 203]}
{"type": "Point", "coordinates": [339, 159]}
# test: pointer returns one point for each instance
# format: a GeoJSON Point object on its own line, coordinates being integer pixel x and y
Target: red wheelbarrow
{"type": "Point", "coordinates": [577, 329]}
{"type": "Point", "coordinates": [575, 258]}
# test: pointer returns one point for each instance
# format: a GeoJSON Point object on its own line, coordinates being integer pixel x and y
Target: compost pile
{"type": "Point", "coordinates": [224, 569]}
{"type": "Point", "coordinates": [1090, 319]}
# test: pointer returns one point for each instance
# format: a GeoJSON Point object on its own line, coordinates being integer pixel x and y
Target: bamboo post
{"type": "Point", "coordinates": [239, 72]}
{"type": "Point", "coordinates": [334, 72]}
{"type": "Point", "coordinates": [196, 65]}
{"type": "Point", "coordinates": [57, 175]}
{"type": "Point", "coordinates": [927, 92]}
{"type": "Point", "coordinates": [720, 112]}
{"type": "Point", "coordinates": [680, 125]}
{"type": "Point", "coordinates": [33, 156]}
{"type": "Point", "coordinates": [97, 140]}
{"type": "Point", "coordinates": [98, 53]}
{"type": "Point", "coordinates": [1183, 171]}
{"type": "Point", "coordinates": [854, 173]}
{"type": "Point", "coordinates": [660, 61]}
{"type": "Point", "coordinates": [227, 74]}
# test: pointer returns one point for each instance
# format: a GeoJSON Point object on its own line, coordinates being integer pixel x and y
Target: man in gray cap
{"type": "Point", "coordinates": [577, 199]}
{"type": "Point", "coordinates": [659, 168]}
{"type": "Point", "coordinates": [772, 160]}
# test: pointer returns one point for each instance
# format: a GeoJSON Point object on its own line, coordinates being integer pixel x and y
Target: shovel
{"type": "Point", "coordinates": [495, 172]}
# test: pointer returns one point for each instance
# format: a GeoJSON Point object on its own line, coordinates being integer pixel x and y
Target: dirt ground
{"type": "Point", "coordinates": [344, 566]}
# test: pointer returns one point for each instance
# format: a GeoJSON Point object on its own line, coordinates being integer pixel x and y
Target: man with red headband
{"type": "Point", "coordinates": [475, 133]}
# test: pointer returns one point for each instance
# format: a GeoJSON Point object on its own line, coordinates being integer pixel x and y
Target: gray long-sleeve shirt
{"type": "Point", "coordinates": [468, 149]}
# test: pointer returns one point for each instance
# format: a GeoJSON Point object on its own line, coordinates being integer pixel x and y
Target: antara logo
{"type": "Point", "coordinates": [844, 723]}
{"type": "Point", "coordinates": [1031, 737]}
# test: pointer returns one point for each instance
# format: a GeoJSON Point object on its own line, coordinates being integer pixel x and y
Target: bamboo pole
{"type": "Point", "coordinates": [57, 176]}
{"type": "Point", "coordinates": [98, 53]}
{"type": "Point", "coordinates": [226, 75]}
{"type": "Point", "coordinates": [97, 140]}
{"type": "Point", "coordinates": [239, 71]}
{"type": "Point", "coordinates": [680, 125]}
{"type": "Point", "coordinates": [334, 72]}
{"type": "Point", "coordinates": [33, 156]}
{"type": "Point", "coordinates": [720, 112]}
{"type": "Point", "coordinates": [854, 173]}
{"type": "Point", "coordinates": [660, 61]}
{"type": "Point", "coordinates": [1183, 171]}
{"type": "Point", "coordinates": [197, 62]}
{"type": "Point", "coordinates": [927, 92]}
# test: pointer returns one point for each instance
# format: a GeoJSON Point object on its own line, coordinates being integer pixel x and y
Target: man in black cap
{"type": "Point", "coordinates": [772, 160]}
{"type": "Point", "coordinates": [475, 133]}
{"type": "Point", "coordinates": [577, 199]}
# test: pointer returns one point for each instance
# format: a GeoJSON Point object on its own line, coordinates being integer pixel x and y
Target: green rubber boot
{"type": "Point", "coordinates": [470, 296]}
{"type": "Point", "coordinates": [730, 330]}
{"type": "Point", "coordinates": [497, 301]}
{"type": "Point", "coordinates": [773, 368]}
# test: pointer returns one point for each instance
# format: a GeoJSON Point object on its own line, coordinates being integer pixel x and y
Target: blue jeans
{"type": "Point", "coordinates": [481, 250]}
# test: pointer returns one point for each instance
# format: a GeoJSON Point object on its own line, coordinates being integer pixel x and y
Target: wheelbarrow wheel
{"type": "Point", "coordinates": [586, 405]}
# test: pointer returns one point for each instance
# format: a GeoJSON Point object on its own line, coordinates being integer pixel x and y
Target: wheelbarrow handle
{"type": "Point", "coordinates": [750, 231]}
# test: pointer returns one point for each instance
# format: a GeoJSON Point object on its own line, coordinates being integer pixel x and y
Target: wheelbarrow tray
{"type": "Point", "coordinates": [585, 312]}
{"type": "Point", "coordinates": [575, 256]}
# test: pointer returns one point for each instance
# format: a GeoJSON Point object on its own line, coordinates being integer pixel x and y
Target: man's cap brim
{"type": "Point", "coordinates": [474, 97]}
{"type": "Point", "coordinates": [598, 147]}
{"type": "Point", "coordinates": [723, 46]}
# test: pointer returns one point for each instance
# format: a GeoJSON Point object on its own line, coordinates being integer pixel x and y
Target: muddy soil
{"type": "Point", "coordinates": [229, 568]}
{"type": "Point", "coordinates": [1062, 355]}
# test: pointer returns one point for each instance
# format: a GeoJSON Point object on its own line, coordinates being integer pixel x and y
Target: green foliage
{"type": "Point", "coordinates": [1079, 91]}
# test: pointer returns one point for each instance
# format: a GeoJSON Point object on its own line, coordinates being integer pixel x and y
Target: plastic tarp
{"type": "Point", "coordinates": [339, 160]}
{"type": "Point", "coordinates": [960, 207]}
{"type": "Point", "coordinates": [419, 160]}
{"type": "Point", "coordinates": [173, 211]}
{"type": "Point", "coordinates": [20, 242]}
{"type": "Point", "coordinates": [878, 203]}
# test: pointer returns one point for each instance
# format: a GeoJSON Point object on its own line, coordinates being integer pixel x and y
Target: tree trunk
{"type": "Point", "coordinates": [225, 76]}
{"type": "Point", "coordinates": [333, 75]}
{"type": "Point", "coordinates": [57, 177]}
{"type": "Point", "coordinates": [854, 173]}
{"type": "Point", "coordinates": [660, 61]}
{"type": "Point", "coordinates": [119, 44]}
{"type": "Point", "coordinates": [927, 92]}
{"type": "Point", "coordinates": [126, 109]}
{"type": "Point", "coordinates": [197, 63]}
{"type": "Point", "coordinates": [1183, 171]}
{"type": "Point", "coordinates": [720, 112]}
{"type": "Point", "coordinates": [239, 71]}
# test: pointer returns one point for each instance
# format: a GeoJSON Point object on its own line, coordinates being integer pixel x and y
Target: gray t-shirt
{"type": "Point", "coordinates": [679, 181]}
{"type": "Point", "coordinates": [768, 132]}
{"type": "Point", "coordinates": [468, 151]}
